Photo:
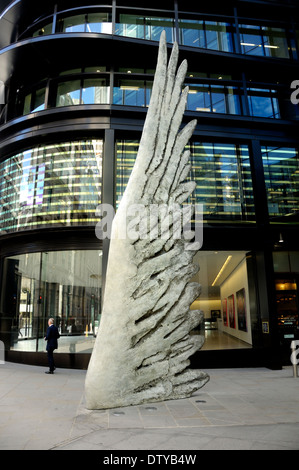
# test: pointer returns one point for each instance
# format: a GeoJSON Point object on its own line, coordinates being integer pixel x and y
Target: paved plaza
{"type": "Point", "coordinates": [239, 409]}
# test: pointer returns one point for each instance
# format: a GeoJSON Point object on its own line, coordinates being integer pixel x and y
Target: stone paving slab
{"type": "Point", "coordinates": [238, 409]}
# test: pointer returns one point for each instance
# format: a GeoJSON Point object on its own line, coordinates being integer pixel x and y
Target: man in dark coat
{"type": "Point", "coordinates": [51, 337]}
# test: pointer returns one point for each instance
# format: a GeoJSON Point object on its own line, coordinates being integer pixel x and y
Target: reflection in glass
{"type": "Point", "coordinates": [65, 285]}
{"type": "Point", "coordinates": [141, 27]}
{"type": "Point", "coordinates": [222, 174]}
{"type": "Point", "coordinates": [95, 91]}
{"type": "Point", "coordinates": [224, 185]}
{"type": "Point", "coordinates": [281, 168]}
{"type": "Point", "coordinates": [34, 101]}
{"type": "Point", "coordinates": [263, 103]}
{"type": "Point", "coordinates": [99, 23]}
{"type": "Point", "coordinates": [275, 42]}
{"type": "Point", "coordinates": [46, 29]}
{"type": "Point", "coordinates": [132, 92]}
{"type": "Point", "coordinates": [206, 34]}
{"type": "Point", "coordinates": [51, 185]}
{"type": "Point", "coordinates": [68, 93]}
{"type": "Point", "coordinates": [264, 41]}
{"type": "Point", "coordinates": [214, 98]}
{"type": "Point", "coordinates": [90, 22]}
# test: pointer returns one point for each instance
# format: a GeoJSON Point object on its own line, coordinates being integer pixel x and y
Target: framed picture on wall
{"type": "Point", "coordinates": [224, 311]}
{"type": "Point", "coordinates": [231, 311]}
{"type": "Point", "coordinates": [215, 314]}
{"type": "Point", "coordinates": [241, 309]}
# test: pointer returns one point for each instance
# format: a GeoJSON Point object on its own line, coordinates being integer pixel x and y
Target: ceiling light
{"type": "Point", "coordinates": [222, 269]}
{"type": "Point", "coordinates": [248, 44]}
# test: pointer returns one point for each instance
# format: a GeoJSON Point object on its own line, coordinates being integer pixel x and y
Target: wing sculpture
{"type": "Point", "coordinates": [144, 342]}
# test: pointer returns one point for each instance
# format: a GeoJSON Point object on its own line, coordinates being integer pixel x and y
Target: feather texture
{"type": "Point", "coordinates": [144, 343]}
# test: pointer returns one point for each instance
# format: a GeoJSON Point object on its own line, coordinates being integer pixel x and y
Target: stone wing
{"type": "Point", "coordinates": [144, 341]}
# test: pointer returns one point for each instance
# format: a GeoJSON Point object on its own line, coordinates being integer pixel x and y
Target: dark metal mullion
{"type": "Point", "coordinates": [54, 20]}
{"type": "Point", "coordinates": [176, 22]}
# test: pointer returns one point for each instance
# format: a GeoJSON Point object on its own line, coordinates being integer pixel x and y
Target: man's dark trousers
{"type": "Point", "coordinates": [51, 360]}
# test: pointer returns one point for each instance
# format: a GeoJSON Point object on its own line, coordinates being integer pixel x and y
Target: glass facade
{"type": "Point", "coordinates": [281, 168]}
{"type": "Point", "coordinates": [52, 185]}
{"type": "Point", "coordinates": [197, 31]}
{"type": "Point", "coordinates": [65, 285]}
{"type": "Point", "coordinates": [132, 92]}
{"type": "Point", "coordinates": [264, 41]}
{"type": "Point", "coordinates": [95, 22]}
{"type": "Point", "coordinates": [143, 27]}
{"type": "Point", "coordinates": [86, 91]}
{"type": "Point", "coordinates": [263, 103]}
{"type": "Point", "coordinates": [223, 181]}
{"type": "Point", "coordinates": [214, 99]}
{"type": "Point", "coordinates": [216, 93]}
{"type": "Point", "coordinates": [244, 160]}
{"type": "Point", "coordinates": [206, 34]}
{"type": "Point", "coordinates": [222, 174]}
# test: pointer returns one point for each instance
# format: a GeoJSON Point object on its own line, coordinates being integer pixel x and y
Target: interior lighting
{"type": "Point", "coordinates": [222, 269]}
{"type": "Point", "coordinates": [250, 44]}
{"type": "Point", "coordinates": [129, 87]}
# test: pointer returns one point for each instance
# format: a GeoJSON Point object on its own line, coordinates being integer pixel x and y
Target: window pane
{"type": "Point", "coordinates": [251, 40]}
{"type": "Point", "coordinates": [126, 153]}
{"type": "Point", "coordinates": [47, 29]}
{"type": "Point", "coordinates": [221, 171]}
{"type": "Point", "coordinates": [234, 101]}
{"type": "Point", "coordinates": [27, 104]}
{"type": "Point", "coordinates": [281, 167]}
{"type": "Point", "coordinates": [218, 99]}
{"type": "Point", "coordinates": [218, 37]}
{"type": "Point", "coordinates": [73, 24]}
{"type": "Point", "coordinates": [155, 26]}
{"type": "Point", "coordinates": [224, 185]}
{"type": "Point", "coordinates": [68, 93]}
{"type": "Point", "coordinates": [39, 102]}
{"type": "Point", "coordinates": [144, 27]}
{"type": "Point", "coordinates": [51, 185]}
{"type": "Point", "coordinates": [199, 98]}
{"type": "Point", "coordinates": [130, 26]}
{"type": "Point", "coordinates": [263, 103]}
{"type": "Point", "coordinates": [129, 93]}
{"type": "Point", "coordinates": [192, 33]}
{"type": "Point", "coordinates": [99, 23]}
{"type": "Point", "coordinates": [275, 42]}
{"type": "Point", "coordinates": [95, 91]}
{"type": "Point", "coordinates": [65, 285]}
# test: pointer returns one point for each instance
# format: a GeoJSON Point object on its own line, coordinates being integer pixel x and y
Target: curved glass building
{"type": "Point", "coordinates": [75, 84]}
